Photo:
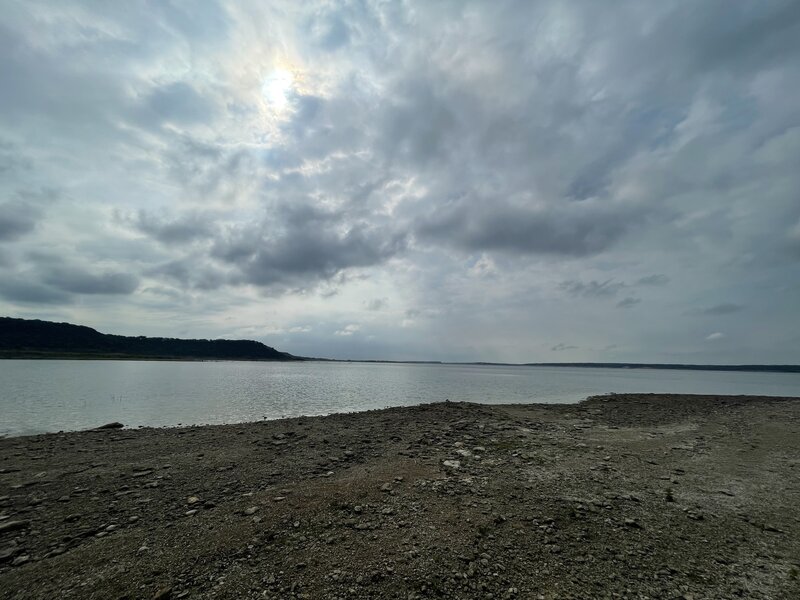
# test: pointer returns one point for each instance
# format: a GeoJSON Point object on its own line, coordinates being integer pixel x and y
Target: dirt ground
{"type": "Point", "coordinates": [625, 496]}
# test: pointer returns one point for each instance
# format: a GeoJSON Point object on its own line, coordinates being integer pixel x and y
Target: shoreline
{"type": "Point", "coordinates": [734, 368]}
{"type": "Point", "coordinates": [666, 496]}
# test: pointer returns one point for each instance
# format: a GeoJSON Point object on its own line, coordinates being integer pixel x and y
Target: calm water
{"type": "Point", "coordinates": [53, 395]}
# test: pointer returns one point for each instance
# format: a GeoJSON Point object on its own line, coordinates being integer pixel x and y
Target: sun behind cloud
{"type": "Point", "coordinates": [277, 89]}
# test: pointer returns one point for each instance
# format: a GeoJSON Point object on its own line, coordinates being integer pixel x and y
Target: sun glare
{"type": "Point", "coordinates": [276, 88]}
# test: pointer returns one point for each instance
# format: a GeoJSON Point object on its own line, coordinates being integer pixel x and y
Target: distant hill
{"type": "Point", "coordinates": [24, 338]}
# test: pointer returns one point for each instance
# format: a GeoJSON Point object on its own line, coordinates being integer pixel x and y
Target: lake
{"type": "Point", "coordinates": [53, 395]}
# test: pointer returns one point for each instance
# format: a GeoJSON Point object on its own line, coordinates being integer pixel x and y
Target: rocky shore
{"type": "Point", "coordinates": [626, 496]}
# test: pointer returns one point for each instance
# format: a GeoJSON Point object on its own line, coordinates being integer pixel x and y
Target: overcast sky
{"type": "Point", "coordinates": [502, 181]}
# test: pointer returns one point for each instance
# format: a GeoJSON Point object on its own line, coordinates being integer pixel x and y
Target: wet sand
{"type": "Point", "coordinates": [626, 496]}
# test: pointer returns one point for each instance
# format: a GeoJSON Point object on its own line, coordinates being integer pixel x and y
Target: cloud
{"type": "Point", "coordinates": [725, 308]}
{"type": "Point", "coordinates": [348, 330]}
{"type": "Point", "coordinates": [715, 336]}
{"type": "Point", "coordinates": [574, 230]}
{"type": "Point", "coordinates": [460, 162]}
{"type": "Point", "coordinates": [180, 230]}
{"type": "Point", "coordinates": [377, 304]}
{"type": "Point", "coordinates": [26, 292]}
{"type": "Point", "coordinates": [628, 302]}
{"type": "Point", "coordinates": [592, 289]}
{"type": "Point", "coordinates": [560, 347]}
{"type": "Point", "coordinates": [179, 102]}
{"type": "Point", "coordinates": [17, 219]}
{"type": "Point", "coordinates": [656, 279]}
{"type": "Point", "coordinates": [79, 281]}
{"type": "Point", "coordinates": [311, 246]}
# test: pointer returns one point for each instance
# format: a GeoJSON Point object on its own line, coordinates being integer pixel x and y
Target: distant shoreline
{"type": "Point", "coordinates": [32, 355]}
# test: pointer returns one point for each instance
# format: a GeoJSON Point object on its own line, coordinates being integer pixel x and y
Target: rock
{"type": "Point", "coordinates": [632, 523]}
{"type": "Point", "coordinates": [250, 511]}
{"type": "Point", "coordinates": [14, 526]}
{"type": "Point", "coordinates": [452, 464]}
{"type": "Point", "coordinates": [192, 500]}
{"type": "Point", "coordinates": [7, 553]}
{"type": "Point", "coordinates": [163, 594]}
{"type": "Point", "coordinates": [386, 487]}
{"type": "Point", "coordinates": [189, 513]}
{"type": "Point", "coordinates": [113, 425]}
{"type": "Point", "coordinates": [20, 560]}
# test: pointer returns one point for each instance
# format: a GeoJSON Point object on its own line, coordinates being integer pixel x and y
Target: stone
{"type": "Point", "coordinates": [113, 425]}
{"type": "Point", "coordinates": [7, 553]}
{"type": "Point", "coordinates": [192, 500]}
{"type": "Point", "coordinates": [452, 464]}
{"type": "Point", "coordinates": [632, 523]}
{"type": "Point", "coordinates": [14, 526]}
{"type": "Point", "coordinates": [251, 510]}
{"type": "Point", "coordinates": [165, 593]}
{"type": "Point", "coordinates": [20, 560]}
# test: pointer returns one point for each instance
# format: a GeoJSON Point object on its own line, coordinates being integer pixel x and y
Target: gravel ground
{"type": "Point", "coordinates": [625, 496]}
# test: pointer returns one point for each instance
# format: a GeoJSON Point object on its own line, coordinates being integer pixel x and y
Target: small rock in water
{"type": "Point", "coordinates": [114, 425]}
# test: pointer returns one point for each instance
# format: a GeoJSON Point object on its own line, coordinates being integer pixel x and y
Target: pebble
{"type": "Point", "coordinates": [163, 594]}
{"type": "Point", "coordinates": [250, 511]}
{"type": "Point", "coordinates": [192, 500]}
{"type": "Point", "coordinates": [13, 525]}
{"type": "Point", "coordinates": [20, 560]}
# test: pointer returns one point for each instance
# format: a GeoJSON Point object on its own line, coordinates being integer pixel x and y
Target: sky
{"type": "Point", "coordinates": [496, 181]}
